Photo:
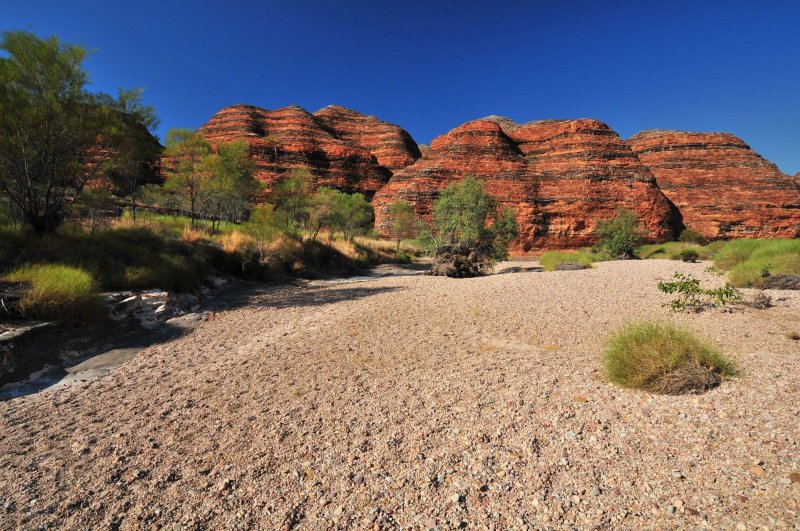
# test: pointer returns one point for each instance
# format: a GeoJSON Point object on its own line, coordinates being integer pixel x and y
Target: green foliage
{"type": "Point", "coordinates": [552, 259]}
{"type": "Point", "coordinates": [262, 224]}
{"type": "Point", "coordinates": [462, 211]}
{"type": "Point", "coordinates": [292, 200]}
{"type": "Point", "coordinates": [229, 183]}
{"type": "Point", "coordinates": [57, 291]}
{"type": "Point", "coordinates": [466, 215]}
{"type": "Point", "coordinates": [694, 297]}
{"type": "Point", "coordinates": [402, 222]}
{"type": "Point", "coordinates": [190, 153]}
{"type": "Point", "coordinates": [663, 358]}
{"type": "Point", "coordinates": [620, 235]}
{"type": "Point", "coordinates": [752, 261]}
{"type": "Point", "coordinates": [692, 236]}
{"type": "Point", "coordinates": [49, 122]}
{"type": "Point", "coordinates": [350, 214]}
{"type": "Point", "coordinates": [357, 214]}
{"type": "Point", "coordinates": [689, 255]}
{"type": "Point", "coordinates": [326, 212]}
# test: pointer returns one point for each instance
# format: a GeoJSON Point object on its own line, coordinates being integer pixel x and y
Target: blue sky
{"type": "Point", "coordinates": [429, 66]}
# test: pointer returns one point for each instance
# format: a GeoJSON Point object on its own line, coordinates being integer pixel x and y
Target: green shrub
{"type": "Point", "coordinates": [689, 255]}
{"type": "Point", "coordinates": [694, 297]}
{"type": "Point", "coordinates": [620, 235]}
{"type": "Point", "coordinates": [552, 259]}
{"type": "Point", "coordinates": [692, 236]}
{"type": "Point", "coordinates": [663, 358]}
{"type": "Point", "coordinates": [58, 292]}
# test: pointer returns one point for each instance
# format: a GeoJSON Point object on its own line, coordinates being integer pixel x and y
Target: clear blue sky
{"type": "Point", "coordinates": [429, 66]}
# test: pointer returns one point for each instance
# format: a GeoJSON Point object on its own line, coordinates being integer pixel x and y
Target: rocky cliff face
{"type": "Point", "coordinates": [336, 146]}
{"type": "Point", "coordinates": [722, 188]}
{"type": "Point", "coordinates": [392, 146]}
{"type": "Point", "coordinates": [560, 176]}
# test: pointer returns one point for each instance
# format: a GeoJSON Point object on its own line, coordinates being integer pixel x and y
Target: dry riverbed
{"type": "Point", "coordinates": [418, 402]}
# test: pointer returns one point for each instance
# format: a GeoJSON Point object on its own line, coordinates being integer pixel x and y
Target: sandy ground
{"type": "Point", "coordinates": [418, 402]}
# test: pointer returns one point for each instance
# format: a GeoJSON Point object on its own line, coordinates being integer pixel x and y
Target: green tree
{"type": "Point", "coordinates": [326, 212]}
{"type": "Point", "coordinates": [264, 229]}
{"type": "Point", "coordinates": [620, 235]}
{"type": "Point", "coordinates": [137, 151]}
{"type": "Point", "coordinates": [291, 199]}
{"type": "Point", "coordinates": [467, 216]}
{"type": "Point", "coordinates": [229, 183]}
{"type": "Point", "coordinates": [189, 154]}
{"type": "Point", "coordinates": [402, 222]}
{"type": "Point", "coordinates": [357, 215]}
{"type": "Point", "coordinates": [50, 126]}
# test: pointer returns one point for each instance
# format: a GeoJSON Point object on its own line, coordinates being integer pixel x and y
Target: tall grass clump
{"type": "Point", "coordinates": [751, 262]}
{"type": "Point", "coordinates": [664, 358]}
{"type": "Point", "coordinates": [551, 260]}
{"type": "Point", "coordinates": [57, 291]}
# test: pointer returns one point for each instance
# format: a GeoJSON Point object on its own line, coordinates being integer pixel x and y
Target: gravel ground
{"type": "Point", "coordinates": [418, 402]}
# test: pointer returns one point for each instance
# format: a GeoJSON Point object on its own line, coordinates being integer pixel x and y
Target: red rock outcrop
{"type": "Point", "coordinates": [290, 138]}
{"type": "Point", "coordinates": [560, 176]}
{"type": "Point", "coordinates": [721, 187]}
{"type": "Point", "coordinates": [392, 146]}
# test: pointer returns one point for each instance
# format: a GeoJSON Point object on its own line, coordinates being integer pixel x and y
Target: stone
{"type": "Point", "coordinates": [757, 470]}
{"type": "Point", "coordinates": [391, 145]}
{"type": "Point", "coordinates": [782, 282]}
{"type": "Point", "coordinates": [560, 177]}
{"type": "Point", "coordinates": [794, 477]}
{"type": "Point", "coordinates": [290, 138]}
{"type": "Point", "coordinates": [722, 188]}
{"type": "Point", "coordinates": [570, 266]}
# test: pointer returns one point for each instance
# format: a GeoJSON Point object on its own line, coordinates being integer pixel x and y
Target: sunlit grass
{"type": "Point", "coordinates": [552, 259]}
{"type": "Point", "coordinates": [57, 291]}
{"type": "Point", "coordinates": [664, 358]}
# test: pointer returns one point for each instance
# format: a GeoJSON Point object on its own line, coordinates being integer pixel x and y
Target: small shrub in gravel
{"type": "Point", "coordinates": [620, 235]}
{"type": "Point", "coordinates": [664, 358]}
{"type": "Point", "coordinates": [761, 301]}
{"type": "Point", "coordinates": [794, 336]}
{"type": "Point", "coordinates": [689, 255]}
{"type": "Point", "coordinates": [692, 296]}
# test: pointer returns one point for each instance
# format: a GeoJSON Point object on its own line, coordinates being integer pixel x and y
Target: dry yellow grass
{"type": "Point", "coordinates": [190, 235]}
{"type": "Point", "coordinates": [235, 240]}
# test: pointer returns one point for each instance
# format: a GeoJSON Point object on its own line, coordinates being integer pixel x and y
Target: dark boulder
{"type": "Point", "coordinates": [782, 282]}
